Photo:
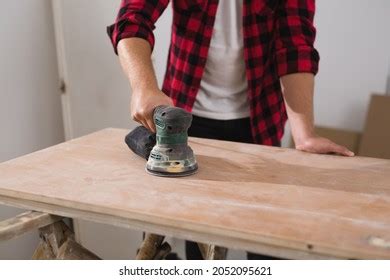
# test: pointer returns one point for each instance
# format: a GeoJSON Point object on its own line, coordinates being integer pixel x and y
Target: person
{"type": "Point", "coordinates": [240, 66]}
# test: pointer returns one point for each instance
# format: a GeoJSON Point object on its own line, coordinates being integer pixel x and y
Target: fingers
{"type": "Point", "coordinates": [307, 148]}
{"type": "Point", "coordinates": [147, 123]}
{"type": "Point", "coordinates": [150, 124]}
{"type": "Point", "coordinates": [322, 145]}
{"type": "Point", "coordinates": [145, 120]}
{"type": "Point", "coordinates": [341, 150]}
{"type": "Point", "coordinates": [142, 107]}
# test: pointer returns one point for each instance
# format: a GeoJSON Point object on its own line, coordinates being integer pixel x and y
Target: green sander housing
{"type": "Point", "coordinates": [167, 151]}
{"type": "Point", "coordinates": [171, 156]}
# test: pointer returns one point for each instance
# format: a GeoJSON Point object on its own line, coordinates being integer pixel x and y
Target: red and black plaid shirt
{"type": "Point", "coordinates": [278, 40]}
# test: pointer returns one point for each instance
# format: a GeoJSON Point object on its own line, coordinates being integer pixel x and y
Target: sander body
{"type": "Point", "coordinates": [167, 152]}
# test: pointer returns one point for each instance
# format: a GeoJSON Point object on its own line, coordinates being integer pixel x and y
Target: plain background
{"type": "Point", "coordinates": [30, 107]}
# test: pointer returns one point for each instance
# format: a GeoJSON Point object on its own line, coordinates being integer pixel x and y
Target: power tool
{"type": "Point", "coordinates": [167, 150]}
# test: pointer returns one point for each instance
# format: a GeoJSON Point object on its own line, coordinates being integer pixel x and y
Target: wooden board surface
{"type": "Point", "coordinates": [244, 196]}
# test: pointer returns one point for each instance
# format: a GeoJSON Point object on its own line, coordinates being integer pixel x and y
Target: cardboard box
{"type": "Point", "coordinates": [375, 140]}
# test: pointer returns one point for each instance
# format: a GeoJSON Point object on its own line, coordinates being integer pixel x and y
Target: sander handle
{"type": "Point", "coordinates": [141, 141]}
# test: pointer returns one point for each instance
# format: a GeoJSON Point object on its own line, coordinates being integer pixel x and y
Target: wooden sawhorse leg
{"type": "Point", "coordinates": [212, 252]}
{"type": "Point", "coordinates": [153, 248]}
{"type": "Point", "coordinates": [57, 242]}
{"type": "Point", "coordinates": [56, 238]}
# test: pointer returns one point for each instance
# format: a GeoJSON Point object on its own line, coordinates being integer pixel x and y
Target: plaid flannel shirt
{"type": "Point", "coordinates": [278, 40]}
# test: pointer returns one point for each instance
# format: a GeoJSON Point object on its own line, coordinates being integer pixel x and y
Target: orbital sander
{"type": "Point", "coordinates": [167, 151]}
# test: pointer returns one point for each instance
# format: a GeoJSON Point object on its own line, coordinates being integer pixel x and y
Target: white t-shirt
{"type": "Point", "coordinates": [223, 88]}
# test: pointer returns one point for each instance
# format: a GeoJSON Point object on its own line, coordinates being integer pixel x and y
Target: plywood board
{"type": "Point", "coordinates": [244, 196]}
{"type": "Point", "coordinates": [376, 136]}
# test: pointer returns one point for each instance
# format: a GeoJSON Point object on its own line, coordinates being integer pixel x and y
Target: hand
{"type": "Point", "coordinates": [143, 104]}
{"type": "Point", "coordinates": [321, 145]}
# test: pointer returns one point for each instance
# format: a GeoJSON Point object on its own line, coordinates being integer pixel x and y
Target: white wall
{"type": "Point", "coordinates": [354, 44]}
{"type": "Point", "coordinates": [30, 109]}
{"type": "Point", "coordinates": [98, 91]}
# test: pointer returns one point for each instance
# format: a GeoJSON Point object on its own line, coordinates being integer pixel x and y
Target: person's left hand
{"type": "Point", "coordinates": [321, 145]}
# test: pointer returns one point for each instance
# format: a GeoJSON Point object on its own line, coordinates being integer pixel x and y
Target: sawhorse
{"type": "Point", "coordinates": [57, 240]}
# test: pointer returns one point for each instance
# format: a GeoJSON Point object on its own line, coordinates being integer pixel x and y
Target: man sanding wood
{"type": "Point", "coordinates": [240, 66]}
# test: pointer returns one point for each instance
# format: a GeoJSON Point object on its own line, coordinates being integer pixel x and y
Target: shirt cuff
{"type": "Point", "coordinates": [297, 59]}
{"type": "Point", "coordinates": [125, 29]}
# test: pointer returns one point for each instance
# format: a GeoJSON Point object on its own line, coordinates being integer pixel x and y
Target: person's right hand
{"type": "Point", "coordinates": [143, 104]}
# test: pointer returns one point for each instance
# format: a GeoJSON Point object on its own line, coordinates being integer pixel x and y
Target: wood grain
{"type": "Point", "coordinates": [258, 198]}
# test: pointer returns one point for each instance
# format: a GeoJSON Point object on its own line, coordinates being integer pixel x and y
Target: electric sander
{"type": "Point", "coordinates": [167, 150]}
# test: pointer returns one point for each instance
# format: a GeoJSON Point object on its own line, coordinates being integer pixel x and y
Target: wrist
{"type": "Point", "coordinates": [300, 137]}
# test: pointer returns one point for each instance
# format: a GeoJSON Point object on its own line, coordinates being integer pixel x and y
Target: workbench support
{"type": "Point", "coordinates": [57, 242]}
{"type": "Point", "coordinates": [212, 252]}
{"type": "Point", "coordinates": [152, 247]}
{"type": "Point", "coordinates": [56, 238]}
{"type": "Point", "coordinates": [24, 223]}
{"type": "Point", "coordinates": [163, 252]}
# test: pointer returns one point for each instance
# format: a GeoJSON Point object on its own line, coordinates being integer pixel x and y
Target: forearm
{"type": "Point", "coordinates": [135, 57]}
{"type": "Point", "coordinates": [298, 92]}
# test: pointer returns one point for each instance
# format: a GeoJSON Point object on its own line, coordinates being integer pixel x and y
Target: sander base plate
{"type": "Point", "coordinates": [171, 174]}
